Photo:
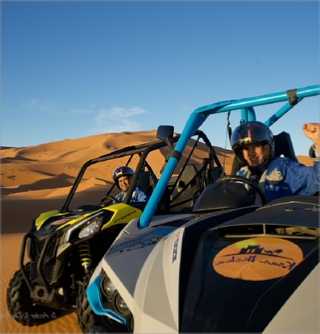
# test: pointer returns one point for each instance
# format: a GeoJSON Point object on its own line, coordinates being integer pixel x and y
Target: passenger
{"type": "Point", "coordinates": [253, 143]}
{"type": "Point", "coordinates": [122, 177]}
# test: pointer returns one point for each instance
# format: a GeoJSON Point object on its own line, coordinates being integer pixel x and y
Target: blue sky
{"type": "Point", "coordinates": [75, 69]}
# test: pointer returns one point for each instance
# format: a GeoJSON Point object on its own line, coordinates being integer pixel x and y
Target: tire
{"type": "Point", "coordinates": [88, 321]}
{"type": "Point", "coordinates": [21, 306]}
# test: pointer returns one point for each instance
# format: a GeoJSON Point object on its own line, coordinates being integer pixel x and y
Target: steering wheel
{"type": "Point", "coordinates": [228, 178]}
{"type": "Point", "coordinates": [107, 199]}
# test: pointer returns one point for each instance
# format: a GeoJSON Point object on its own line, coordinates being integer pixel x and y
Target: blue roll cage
{"type": "Point", "coordinates": [199, 115]}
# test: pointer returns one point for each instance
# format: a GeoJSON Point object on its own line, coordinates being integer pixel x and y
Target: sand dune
{"type": "Point", "coordinates": [37, 179]}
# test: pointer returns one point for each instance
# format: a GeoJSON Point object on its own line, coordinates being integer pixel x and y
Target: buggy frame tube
{"type": "Point", "coordinates": [196, 119]}
{"type": "Point", "coordinates": [280, 113]}
{"type": "Point", "coordinates": [22, 253]}
{"type": "Point", "coordinates": [247, 114]}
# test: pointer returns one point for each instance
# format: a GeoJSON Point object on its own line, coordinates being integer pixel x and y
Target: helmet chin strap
{"type": "Point", "coordinates": [266, 152]}
{"type": "Point", "coordinates": [258, 170]}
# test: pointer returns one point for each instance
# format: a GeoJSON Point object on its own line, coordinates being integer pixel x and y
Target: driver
{"type": "Point", "coordinates": [253, 143]}
{"type": "Point", "coordinates": [122, 176]}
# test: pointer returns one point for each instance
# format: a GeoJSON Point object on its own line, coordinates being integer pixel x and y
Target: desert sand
{"type": "Point", "coordinates": [36, 179]}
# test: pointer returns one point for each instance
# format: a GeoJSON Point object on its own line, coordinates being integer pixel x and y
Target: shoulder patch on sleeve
{"type": "Point", "coordinates": [274, 175]}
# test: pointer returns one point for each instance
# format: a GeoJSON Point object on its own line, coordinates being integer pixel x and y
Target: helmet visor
{"type": "Point", "coordinates": [250, 133]}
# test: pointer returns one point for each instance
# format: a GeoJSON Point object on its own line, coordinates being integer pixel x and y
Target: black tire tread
{"type": "Point", "coordinates": [20, 304]}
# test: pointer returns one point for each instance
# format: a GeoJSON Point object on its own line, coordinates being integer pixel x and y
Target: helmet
{"type": "Point", "coordinates": [252, 132]}
{"type": "Point", "coordinates": [121, 171]}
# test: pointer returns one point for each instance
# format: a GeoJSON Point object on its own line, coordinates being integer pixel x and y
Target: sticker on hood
{"type": "Point", "coordinates": [258, 259]}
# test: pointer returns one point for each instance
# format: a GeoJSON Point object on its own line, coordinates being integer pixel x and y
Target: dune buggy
{"type": "Point", "coordinates": [226, 265]}
{"type": "Point", "coordinates": [64, 246]}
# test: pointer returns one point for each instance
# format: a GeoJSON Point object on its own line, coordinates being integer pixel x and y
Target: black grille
{"type": "Point", "coordinates": [47, 265]}
{"type": "Point", "coordinates": [36, 248]}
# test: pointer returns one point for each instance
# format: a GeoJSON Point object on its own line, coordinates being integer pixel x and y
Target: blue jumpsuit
{"type": "Point", "coordinates": [137, 196]}
{"type": "Point", "coordinates": [285, 177]}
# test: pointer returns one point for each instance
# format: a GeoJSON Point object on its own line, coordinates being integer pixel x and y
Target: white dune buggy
{"type": "Point", "coordinates": [226, 265]}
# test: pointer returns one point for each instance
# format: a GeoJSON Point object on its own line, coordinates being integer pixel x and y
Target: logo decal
{"type": "Point", "coordinates": [175, 247]}
{"type": "Point", "coordinates": [140, 245]}
{"type": "Point", "coordinates": [257, 259]}
{"type": "Point", "coordinates": [274, 177]}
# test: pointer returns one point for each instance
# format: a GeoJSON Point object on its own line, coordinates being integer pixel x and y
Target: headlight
{"type": "Point", "coordinates": [107, 288]}
{"type": "Point", "coordinates": [85, 227]}
{"type": "Point", "coordinates": [113, 302]}
{"type": "Point", "coordinates": [121, 306]}
{"type": "Point", "coordinates": [92, 227]}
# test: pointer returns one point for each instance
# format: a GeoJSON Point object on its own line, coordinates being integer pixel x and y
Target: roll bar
{"type": "Point", "coordinates": [291, 97]}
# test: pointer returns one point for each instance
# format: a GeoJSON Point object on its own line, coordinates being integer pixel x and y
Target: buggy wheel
{"type": "Point", "coordinates": [88, 321]}
{"type": "Point", "coordinates": [21, 306]}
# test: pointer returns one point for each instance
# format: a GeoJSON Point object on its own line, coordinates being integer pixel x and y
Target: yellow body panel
{"type": "Point", "coordinates": [122, 214]}
{"type": "Point", "coordinates": [44, 216]}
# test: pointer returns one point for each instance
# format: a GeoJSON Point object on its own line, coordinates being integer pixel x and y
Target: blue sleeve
{"type": "Point", "coordinates": [142, 197]}
{"type": "Point", "coordinates": [119, 197]}
{"type": "Point", "coordinates": [139, 196]}
{"type": "Point", "coordinates": [298, 178]}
